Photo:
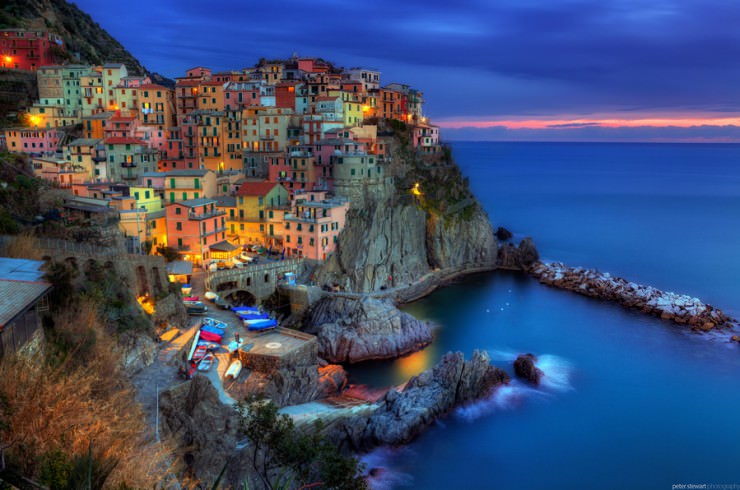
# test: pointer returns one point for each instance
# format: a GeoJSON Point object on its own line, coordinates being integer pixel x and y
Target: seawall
{"type": "Point", "coordinates": [678, 308]}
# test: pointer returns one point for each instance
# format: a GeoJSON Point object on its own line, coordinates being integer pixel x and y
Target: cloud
{"type": "Point", "coordinates": [471, 58]}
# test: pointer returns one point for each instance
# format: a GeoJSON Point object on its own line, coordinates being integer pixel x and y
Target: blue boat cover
{"type": "Point", "coordinates": [252, 316]}
{"type": "Point", "coordinates": [216, 330]}
{"type": "Point", "coordinates": [267, 324]}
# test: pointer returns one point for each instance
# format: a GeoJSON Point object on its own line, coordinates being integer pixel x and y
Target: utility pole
{"type": "Point", "coordinates": [156, 416]}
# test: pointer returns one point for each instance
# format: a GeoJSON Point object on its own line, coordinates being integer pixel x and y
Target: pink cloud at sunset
{"type": "Point", "coordinates": [606, 122]}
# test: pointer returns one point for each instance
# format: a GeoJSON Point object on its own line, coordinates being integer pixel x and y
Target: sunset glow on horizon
{"type": "Point", "coordinates": [606, 122]}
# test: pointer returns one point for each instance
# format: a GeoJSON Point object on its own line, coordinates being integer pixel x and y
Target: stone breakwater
{"type": "Point", "coordinates": [679, 308]}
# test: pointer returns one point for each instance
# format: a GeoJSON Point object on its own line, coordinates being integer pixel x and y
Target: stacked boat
{"type": "Point", "coordinates": [254, 319]}
{"type": "Point", "coordinates": [206, 341]}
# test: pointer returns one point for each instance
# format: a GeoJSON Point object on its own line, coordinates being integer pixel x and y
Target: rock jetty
{"type": "Point", "coordinates": [679, 308]}
{"type": "Point", "coordinates": [352, 330]}
{"type": "Point", "coordinates": [402, 415]}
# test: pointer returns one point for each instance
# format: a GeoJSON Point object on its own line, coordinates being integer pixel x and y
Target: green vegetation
{"type": "Point", "coordinates": [283, 455]}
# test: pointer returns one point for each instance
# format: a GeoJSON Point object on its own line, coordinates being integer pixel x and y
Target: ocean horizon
{"type": "Point", "coordinates": [627, 400]}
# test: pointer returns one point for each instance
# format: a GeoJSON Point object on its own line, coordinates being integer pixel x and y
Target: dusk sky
{"type": "Point", "coordinates": [654, 70]}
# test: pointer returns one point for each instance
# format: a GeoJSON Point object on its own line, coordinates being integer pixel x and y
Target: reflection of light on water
{"type": "Point", "coordinates": [413, 364]}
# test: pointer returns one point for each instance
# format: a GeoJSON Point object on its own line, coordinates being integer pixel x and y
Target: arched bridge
{"type": "Point", "coordinates": [259, 280]}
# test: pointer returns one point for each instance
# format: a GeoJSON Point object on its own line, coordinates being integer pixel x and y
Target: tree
{"type": "Point", "coordinates": [168, 253]}
{"type": "Point", "coordinates": [282, 453]}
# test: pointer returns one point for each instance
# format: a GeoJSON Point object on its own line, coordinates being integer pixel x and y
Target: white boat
{"type": "Point", "coordinates": [195, 344]}
{"type": "Point", "coordinates": [234, 369]}
{"type": "Point", "coordinates": [211, 296]}
{"type": "Point", "coordinates": [212, 322]}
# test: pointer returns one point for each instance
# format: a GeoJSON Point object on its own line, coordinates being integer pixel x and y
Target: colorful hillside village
{"type": "Point", "coordinates": [265, 158]}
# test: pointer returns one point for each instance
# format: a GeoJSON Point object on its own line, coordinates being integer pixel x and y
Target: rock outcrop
{"type": "Point", "coordinates": [291, 385]}
{"type": "Point", "coordinates": [206, 431]}
{"type": "Point", "coordinates": [170, 310]}
{"type": "Point", "coordinates": [401, 416]}
{"type": "Point", "coordinates": [393, 237]}
{"type": "Point", "coordinates": [138, 350]}
{"type": "Point", "coordinates": [518, 258]}
{"type": "Point", "coordinates": [678, 308]}
{"type": "Point", "coordinates": [502, 234]}
{"type": "Point", "coordinates": [352, 330]}
{"type": "Point", "coordinates": [524, 367]}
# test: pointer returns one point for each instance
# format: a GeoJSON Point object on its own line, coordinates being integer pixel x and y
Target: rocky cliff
{"type": "Point", "coordinates": [354, 330]}
{"type": "Point", "coordinates": [401, 416]}
{"type": "Point", "coordinates": [205, 430]}
{"type": "Point", "coordinates": [426, 219]}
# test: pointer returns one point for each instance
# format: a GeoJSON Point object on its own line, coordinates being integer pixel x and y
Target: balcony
{"type": "Point", "coordinates": [214, 232]}
{"type": "Point", "coordinates": [209, 214]}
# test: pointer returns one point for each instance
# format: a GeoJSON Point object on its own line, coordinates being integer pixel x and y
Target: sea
{"type": "Point", "coordinates": [628, 401]}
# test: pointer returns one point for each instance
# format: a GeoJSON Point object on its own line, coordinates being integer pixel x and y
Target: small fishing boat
{"type": "Point", "coordinates": [210, 336]}
{"type": "Point", "coordinates": [252, 316]}
{"type": "Point", "coordinates": [191, 299]}
{"type": "Point", "coordinates": [196, 339]}
{"type": "Point", "coordinates": [237, 309]}
{"type": "Point", "coordinates": [216, 330]}
{"type": "Point", "coordinates": [206, 362]}
{"type": "Point", "coordinates": [210, 346]}
{"type": "Point", "coordinates": [234, 369]}
{"type": "Point", "coordinates": [214, 323]}
{"type": "Point", "coordinates": [258, 325]}
{"type": "Point", "coordinates": [200, 353]}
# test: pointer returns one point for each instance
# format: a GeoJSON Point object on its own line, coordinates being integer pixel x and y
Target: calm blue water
{"type": "Point", "coordinates": [629, 401]}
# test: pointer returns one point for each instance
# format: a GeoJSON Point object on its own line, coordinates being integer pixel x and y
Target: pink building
{"type": "Point", "coordinates": [312, 230]}
{"type": "Point", "coordinates": [238, 95]}
{"type": "Point", "coordinates": [426, 138]}
{"type": "Point", "coordinates": [193, 226]}
{"type": "Point", "coordinates": [32, 140]}
{"type": "Point", "coordinates": [327, 148]}
{"type": "Point", "coordinates": [120, 127]}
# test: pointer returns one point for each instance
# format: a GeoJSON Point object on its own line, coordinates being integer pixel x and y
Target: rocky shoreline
{"type": "Point", "coordinates": [402, 415]}
{"type": "Point", "coordinates": [678, 308]}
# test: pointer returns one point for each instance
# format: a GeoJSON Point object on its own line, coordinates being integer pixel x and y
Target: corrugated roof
{"type": "Point", "coordinates": [194, 203]}
{"type": "Point", "coordinates": [20, 269]}
{"type": "Point", "coordinates": [223, 246]}
{"type": "Point", "coordinates": [85, 142]}
{"type": "Point", "coordinates": [180, 267]}
{"type": "Point", "coordinates": [17, 296]}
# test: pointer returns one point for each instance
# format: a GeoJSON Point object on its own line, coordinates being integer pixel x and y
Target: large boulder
{"type": "Point", "coordinates": [352, 330]}
{"type": "Point", "coordinates": [524, 367]}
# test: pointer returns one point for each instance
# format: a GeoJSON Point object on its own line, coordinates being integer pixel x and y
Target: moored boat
{"type": "Point", "coordinates": [234, 369]}
{"type": "Point", "coordinates": [206, 362]}
{"type": "Point", "coordinates": [257, 325]}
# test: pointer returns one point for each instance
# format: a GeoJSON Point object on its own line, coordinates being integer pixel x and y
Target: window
{"type": "Point", "coordinates": [287, 238]}
{"type": "Point", "coordinates": [311, 242]}
{"type": "Point", "coordinates": [179, 243]}
{"type": "Point", "coordinates": [178, 226]}
{"type": "Point", "coordinates": [172, 199]}
{"type": "Point", "coordinates": [300, 240]}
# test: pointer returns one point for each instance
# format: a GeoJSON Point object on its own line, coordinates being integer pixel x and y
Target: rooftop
{"type": "Point", "coordinates": [20, 287]}
{"type": "Point", "coordinates": [85, 142]}
{"type": "Point", "coordinates": [194, 203]}
{"type": "Point", "coordinates": [256, 188]}
{"type": "Point", "coordinates": [187, 172]}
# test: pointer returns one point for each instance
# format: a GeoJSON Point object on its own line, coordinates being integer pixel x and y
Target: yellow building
{"type": "Point", "coordinates": [211, 96]}
{"type": "Point", "coordinates": [146, 198]}
{"type": "Point", "coordinates": [187, 184]}
{"type": "Point", "coordinates": [82, 153]}
{"type": "Point", "coordinates": [157, 106]}
{"type": "Point", "coordinates": [255, 203]}
{"type": "Point", "coordinates": [265, 129]}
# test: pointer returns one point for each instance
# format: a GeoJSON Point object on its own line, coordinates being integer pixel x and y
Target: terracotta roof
{"type": "Point", "coordinates": [256, 188]}
{"type": "Point", "coordinates": [123, 141]}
